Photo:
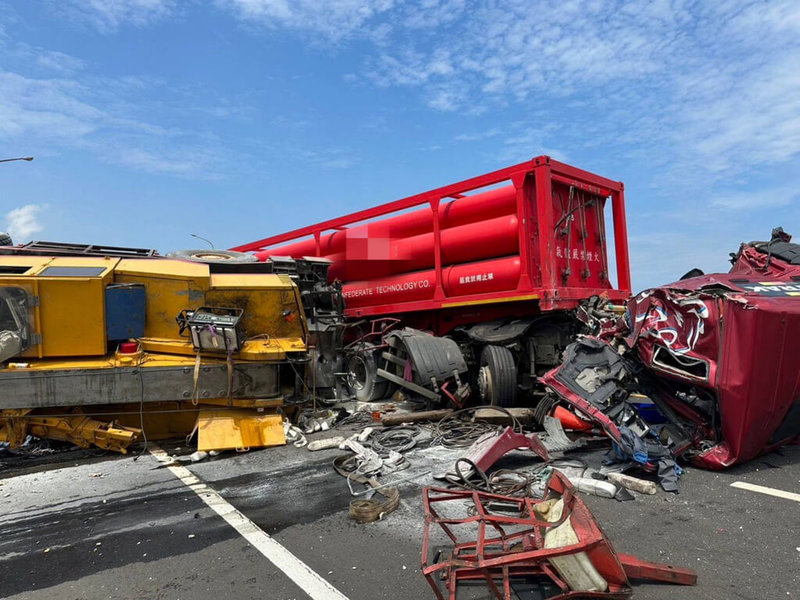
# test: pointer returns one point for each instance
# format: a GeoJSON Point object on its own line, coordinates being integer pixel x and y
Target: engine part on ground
{"type": "Point", "coordinates": [554, 542]}
{"type": "Point", "coordinates": [400, 418]}
{"type": "Point", "coordinates": [596, 380]}
{"type": "Point", "coordinates": [238, 429]}
{"type": "Point", "coordinates": [206, 255]}
{"type": "Point", "coordinates": [497, 376]}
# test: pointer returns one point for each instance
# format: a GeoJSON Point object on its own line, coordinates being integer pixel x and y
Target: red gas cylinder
{"type": "Point", "coordinates": [458, 280]}
{"type": "Point", "coordinates": [376, 257]}
{"type": "Point", "coordinates": [453, 213]}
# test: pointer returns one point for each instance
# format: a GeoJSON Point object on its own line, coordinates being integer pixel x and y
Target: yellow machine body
{"type": "Point", "coordinates": [71, 362]}
{"type": "Point", "coordinates": [69, 302]}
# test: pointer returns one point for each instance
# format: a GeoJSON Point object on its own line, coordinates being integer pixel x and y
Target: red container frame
{"type": "Point", "coordinates": [537, 238]}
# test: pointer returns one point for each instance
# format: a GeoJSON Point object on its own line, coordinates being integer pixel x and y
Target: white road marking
{"type": "Point", "coordinates": [766, 490]}
{"type": "Point", "coordinates": [298, 571]}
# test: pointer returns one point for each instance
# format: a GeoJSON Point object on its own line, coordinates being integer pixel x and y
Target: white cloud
{"type": "Point", "coordinates": [757, 199]}
{"type": "Point", "coordinates": [106, 117]}
{"type": "Point", "coordinates": [23, 222]}
{"type": "Point", "coordinates": [58, 61]}
{"type": "Point", "coordinates": [333, 19]}
{"type": "Point", "coordinates": [109, 15]}
{"type": "Point", "coordinates": [698, 87]}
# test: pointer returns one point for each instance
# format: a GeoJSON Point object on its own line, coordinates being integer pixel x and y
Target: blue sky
{"type": "Point", "coordinates": [237, 119]}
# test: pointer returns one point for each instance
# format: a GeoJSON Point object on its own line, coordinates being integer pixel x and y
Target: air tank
{"type": "Point", "coordinates": [473, 209]}
{"type": "Point", "coordinates": [480, 277]}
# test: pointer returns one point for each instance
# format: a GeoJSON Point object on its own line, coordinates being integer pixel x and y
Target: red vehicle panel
{"type": "Point", "coordinates": [733, 336]}
{"type": "Point", "coordinates": [530, 232]}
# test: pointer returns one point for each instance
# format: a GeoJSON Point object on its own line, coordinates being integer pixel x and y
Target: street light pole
{"type": "Point", "coordinates": [28, 158]}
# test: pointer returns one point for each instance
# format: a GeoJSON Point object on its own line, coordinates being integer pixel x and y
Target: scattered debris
{"type": "Point", "coordinates": [415, 417]}
{"type": "Point", "coordinates": [633, 483]}
{"type": "Point", "coordinates": [326, 444]}
{"type": "Point", "coordinates": [552, 543]}
{"type": "Point", "coordinates": [491, 446]}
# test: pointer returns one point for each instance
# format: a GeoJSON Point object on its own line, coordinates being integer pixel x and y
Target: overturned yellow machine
{"type": "Point", "coordinates": [108, 350]}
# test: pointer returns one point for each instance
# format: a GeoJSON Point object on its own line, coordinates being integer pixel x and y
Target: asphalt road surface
{"type": "Point", "coordinates": [77, 526]}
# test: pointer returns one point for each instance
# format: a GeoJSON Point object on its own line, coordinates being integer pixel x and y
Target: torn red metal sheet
{"type": "Point", "coordinates": [491, 447]}
{"type": "Point", "coordinates": [554, 542]}
{"type": "Point", "coordinates": [777, 258]}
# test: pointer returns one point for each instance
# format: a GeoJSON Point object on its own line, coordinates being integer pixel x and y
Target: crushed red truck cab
{"type": "Point", "coordinates": [733, 338]}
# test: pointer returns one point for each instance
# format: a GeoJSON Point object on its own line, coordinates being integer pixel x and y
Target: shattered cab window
{"type": "Point", "coordinates": [693, 368]}
{"type": "Point", "coordinates": [14, 322]}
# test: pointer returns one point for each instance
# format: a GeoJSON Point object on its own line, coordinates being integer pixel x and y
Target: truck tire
{"type": "Point", "coordinates": [497, 377]}
{"type": "Point", "coordinates": [213, 256]}
{"type": "Point", "coordinates": [362, 377]}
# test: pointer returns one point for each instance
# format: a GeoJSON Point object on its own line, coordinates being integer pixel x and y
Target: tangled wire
{"type": "Point", "coordinates": [457, 430]}
{"type": "Point", "coordinates": [400, 439]}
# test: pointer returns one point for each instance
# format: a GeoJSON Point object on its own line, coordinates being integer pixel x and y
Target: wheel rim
{"type": "Point", "coordinates": [212, 256]}
{"type": "Point", "coordinates": [485, 384]}
{"type": "Point", "coordinates": [357, 372]}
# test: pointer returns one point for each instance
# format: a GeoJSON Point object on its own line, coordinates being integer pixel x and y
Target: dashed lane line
{"type": "Point", "coordinates": [766, 490]}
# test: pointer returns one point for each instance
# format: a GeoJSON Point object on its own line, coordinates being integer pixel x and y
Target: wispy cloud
{"type": "Point", "coordinates": [23, 222]}
{"type": "Point", "coordinates": [109, 15]}
{"type": "Point", "coordinates": [756, 199]}
{"type": "Point", "coordinates": [64, 108]}
{"type": "Point", "coordinates": [335, 19]}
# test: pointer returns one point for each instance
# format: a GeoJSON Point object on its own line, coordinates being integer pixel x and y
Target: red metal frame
{"type": "Point", "coordinates": [505, 547]}
{"type": "Point", "coordinates": [532, 177]}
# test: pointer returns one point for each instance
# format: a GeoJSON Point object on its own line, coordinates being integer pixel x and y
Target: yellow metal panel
{"type": "Point", "coordinates": [165, 297]}
{"type": "Point", "coordinates": [231, 429]}
{"type": "Point", "coordinates": [105, 262]}
{"type": "Point", "coordinates": [72, 313]}
{"type": "Point", "coordinates": [170, 287]}
{"type": "Point", "coordinates": [110, 362]}
{"type": "Point", "coordinates": [164, 268]}
{"type": "Point", "coordinates": [273, 349]}
{"type": "Point", "coordinates": [269, 314]}
{"type": "Point", "coordinates": [491, 301]}
{"type": "Point", "coordinates": [250, 280]}
{"type": "Point", "coordinates": [34, 262]}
